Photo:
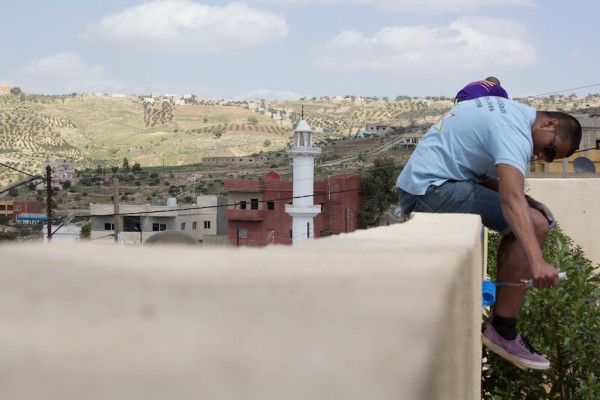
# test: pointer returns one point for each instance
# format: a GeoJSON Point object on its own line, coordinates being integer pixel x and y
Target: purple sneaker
{"type": "Point", "coordinates": [518, 351]}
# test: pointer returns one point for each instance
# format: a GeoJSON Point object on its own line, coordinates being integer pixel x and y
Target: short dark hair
{"type": "Point", "coordinates": [568, 128]}
{"type": "Point", "coordinates": [493, 79]}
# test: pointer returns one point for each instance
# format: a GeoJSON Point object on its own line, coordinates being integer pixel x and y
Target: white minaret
{"type": "Point", "coordinates": [303, 210]}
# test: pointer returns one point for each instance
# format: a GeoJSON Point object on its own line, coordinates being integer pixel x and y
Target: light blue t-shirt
{"type": "Point", "coordinates": [468, 142]}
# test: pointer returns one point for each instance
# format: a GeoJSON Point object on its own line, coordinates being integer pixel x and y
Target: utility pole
{"type": "Point", "coordinates": [116, 212]}
{"type": "Point", "coordinates": [49, 200]}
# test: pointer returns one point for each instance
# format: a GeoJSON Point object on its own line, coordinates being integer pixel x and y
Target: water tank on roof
{"type": "Point", "coordinates": [172, 202]}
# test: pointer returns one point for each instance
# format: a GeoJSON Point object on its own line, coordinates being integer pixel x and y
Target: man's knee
{"type": "Point", "coordinates": [540, 223]}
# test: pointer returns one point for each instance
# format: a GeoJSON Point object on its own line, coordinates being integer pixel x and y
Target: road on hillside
{"type": "Point", "coordinates": [380, 150]}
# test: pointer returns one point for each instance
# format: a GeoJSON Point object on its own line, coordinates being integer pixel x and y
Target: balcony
{"type": "Point", "coordinates": [304, 150]}
{"type": "Point", "coordinates": [244, 215]}
{"type": "Point", "coordinates": [302, 211]}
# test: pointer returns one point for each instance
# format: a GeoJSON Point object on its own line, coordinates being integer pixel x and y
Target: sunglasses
{"type": "Point", "coordinates": [551, 150]}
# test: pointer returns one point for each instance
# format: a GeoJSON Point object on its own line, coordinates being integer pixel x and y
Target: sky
{"type": "Point", "coordinates": [288, 49]}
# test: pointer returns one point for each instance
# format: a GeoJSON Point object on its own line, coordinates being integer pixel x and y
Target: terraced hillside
{"type": "Point", "coordinates": [29, 138]}
{"type": "Point", "coordinates": [100, 131]}
{"type": "Point", "coordinates": [346, 116]}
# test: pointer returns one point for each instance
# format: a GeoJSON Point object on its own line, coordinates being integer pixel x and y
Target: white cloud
{"type": "Point", "coordinates": [467, 44]}
{"type": "Point", "coordinates": [268, 94]}
{"type": "Point", "coordinates": [418, 6]}
{"type": "Point", "coordinates": [63, 73]}
{"type": "Point", "coordinates": [183, 26]}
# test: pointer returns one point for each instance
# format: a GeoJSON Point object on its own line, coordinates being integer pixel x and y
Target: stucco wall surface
{"type": "Point", "coordinates": [386, 313]}
{"type": "Point", "coordinates": [576, 206]}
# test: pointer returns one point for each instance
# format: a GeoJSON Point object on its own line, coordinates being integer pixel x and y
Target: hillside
{"type": "Point", "coordinates": [100, 131]}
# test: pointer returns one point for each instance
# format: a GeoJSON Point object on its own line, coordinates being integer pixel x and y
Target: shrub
{"type": "Point", "coordinates": [562, 324]}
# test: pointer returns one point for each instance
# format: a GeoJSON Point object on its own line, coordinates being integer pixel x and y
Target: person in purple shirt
{"type": "Point", "coordinates": [490, 86]}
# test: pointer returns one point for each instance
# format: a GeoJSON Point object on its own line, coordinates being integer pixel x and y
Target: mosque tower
{"type": "Point", "coordinates": [303, 210]}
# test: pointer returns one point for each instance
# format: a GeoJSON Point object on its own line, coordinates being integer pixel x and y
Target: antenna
{"type": "Point", "coordinates": [584, 164]}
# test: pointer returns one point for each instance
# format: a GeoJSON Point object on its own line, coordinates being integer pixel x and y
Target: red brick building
{"type": "Point", "coordinates": [14, 208]}
{"type": "Point", "coordinates": [256, 212]}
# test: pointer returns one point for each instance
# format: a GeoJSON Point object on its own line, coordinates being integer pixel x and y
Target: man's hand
{"type": "Point", "coordinates": [544, 275]}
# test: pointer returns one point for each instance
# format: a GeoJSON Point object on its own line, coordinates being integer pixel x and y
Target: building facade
{"type": "Point", "coordinates": [137, 222]}
{"type": "Point", "coordinates": [256, 214]}
{"type": "Point", "coordinates": [242, 160]}
{"type": "Point", "coordinates": [62, 171]}
{"type": "Point", "coordinates": [15, 208]}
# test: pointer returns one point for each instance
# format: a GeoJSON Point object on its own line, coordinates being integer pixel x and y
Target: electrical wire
{"type": "Point", "coordinates": [566, 90]}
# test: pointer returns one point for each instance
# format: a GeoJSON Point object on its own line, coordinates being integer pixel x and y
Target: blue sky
{"type": "Point", "coordinates": [294, 48]}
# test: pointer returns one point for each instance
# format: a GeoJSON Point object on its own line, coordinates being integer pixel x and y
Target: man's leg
{"type": "Point", "coordinates": [512, 267]}
{"type": "Point", "coordinates": [500, 333]}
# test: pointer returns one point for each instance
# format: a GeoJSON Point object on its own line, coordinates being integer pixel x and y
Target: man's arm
{"type": "Point", "coordinates": [517, 212]}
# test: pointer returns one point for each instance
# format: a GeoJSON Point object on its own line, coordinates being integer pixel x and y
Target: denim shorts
{"type": "Point", "coordinates": [464, 197]}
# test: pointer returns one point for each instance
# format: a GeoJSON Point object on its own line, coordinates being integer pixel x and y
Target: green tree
{"type": "Point", "coordinates": [66, 185]}
{"type": "Point", "coordinates": [562, 324]}
{"type": "Point", "coordinates": [266, 143]}
{"type": "Point", "coordinates": [253, 120]}
{"type": "Point", "coordinates": [86, 231]}
{"type": "Point", "coordinates": [126, 164]}
{"type": "Point", "coordinates": [16, 91]}
{"type": "Point", "coordinates": [136, 167]}
{"type": "Point", "coordinates": [377, 191]}
{"type": "Point", "coordinates": [218, 133]}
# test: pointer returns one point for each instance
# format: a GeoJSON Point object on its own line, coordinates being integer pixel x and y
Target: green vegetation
{"type": "Point", "coordinates": [86, 231]}
{"type": "Point", "coordinates": [377, 191]}
{"type": "Point", "coordinates": [562, 324]}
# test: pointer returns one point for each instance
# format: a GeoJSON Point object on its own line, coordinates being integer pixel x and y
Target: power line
{"type": "Point", "coordinates": [566, 90]}
{"type": "Point", "coordinates": [19, 171]}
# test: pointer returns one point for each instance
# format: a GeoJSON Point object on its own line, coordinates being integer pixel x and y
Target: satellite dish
{"type": "Point", "coordinates": [171, 237]}
{"type": "Point", "coordinates": [584, 164]}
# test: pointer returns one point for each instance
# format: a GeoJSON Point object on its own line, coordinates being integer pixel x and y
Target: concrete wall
{"type": "Point", "coordinates": [386, 313]}
{"type": "Point", "coordinates": [575, 205]}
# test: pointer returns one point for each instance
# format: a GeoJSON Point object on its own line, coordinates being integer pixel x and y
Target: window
{"type": "Point", "coordinates": [242, 205]}
{"type": "Point", "coordinates": [156, 227]}
{"type": "Point", "coordinates": [270, 235]}
{"type": "Point", "coordinates": [109, 226]}
{"type": "Point", "coordinates": [242, 233]}
{"type": "Point", "coordinates": [291, 234]}
{"type": "Point", "coordinates": [194, 225]}
{"type": "Point", "coordinates": [206, 224]}
{"type": "Point", "coordinates": [17, 208]}
{"type": "Point", "coordinates": [254, 204]}
{"type": "Point", "coordinates": [270, 205]}
{"type": "Point", "coordinates": [131, 224]}
{"type": "Point", "coordinates": [183, 226]}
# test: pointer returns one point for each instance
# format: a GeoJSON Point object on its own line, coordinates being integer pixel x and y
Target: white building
{"type": "Point", "coordinates": [137, 222]}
